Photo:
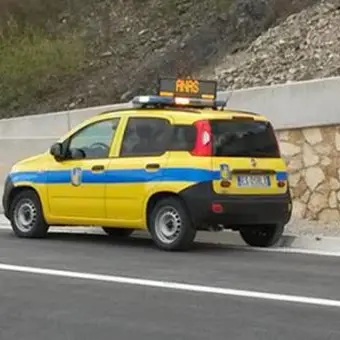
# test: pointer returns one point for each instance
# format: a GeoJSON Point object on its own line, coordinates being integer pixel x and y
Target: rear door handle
{"type": "Point", "coordinates": [152, 166]}
{"type": "Point", "coordinates": [98, 168]}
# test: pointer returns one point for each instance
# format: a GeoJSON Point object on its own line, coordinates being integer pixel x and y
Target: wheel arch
{"type": "Point", "coordinates": [18, 189]}
{"type": "Point", "coordinates": [37, 227]}
{"type": "Point", "coordinates": [156, 197]}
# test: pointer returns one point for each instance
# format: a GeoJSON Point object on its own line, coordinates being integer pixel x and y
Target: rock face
{"type": "Point", "coordinates": [304, 46]}
{"type": "Point", "coordinates": [314, 171]}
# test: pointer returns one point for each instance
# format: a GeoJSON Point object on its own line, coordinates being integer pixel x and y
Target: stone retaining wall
{"type": "Point", "coordinates": [314, 171]}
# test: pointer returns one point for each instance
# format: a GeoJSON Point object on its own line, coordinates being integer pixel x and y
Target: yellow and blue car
{"type": "Point", "coordinates": [175, 163]}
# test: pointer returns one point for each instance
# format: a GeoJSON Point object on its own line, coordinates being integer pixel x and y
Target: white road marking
{"type": "Point", "coordinates": [68, 230]}
{"type": "Point", "coordinates": [296, 251]}
{"type": "Point", "coordinates": [30, 138]}
{"type": "Point", "coordinates": [172, 285]}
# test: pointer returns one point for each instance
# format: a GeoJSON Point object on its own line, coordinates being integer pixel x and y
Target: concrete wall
{"type": "Point", "coordinates": [293, 107]}
{"type": "Point", "coordinates": [296, 105]}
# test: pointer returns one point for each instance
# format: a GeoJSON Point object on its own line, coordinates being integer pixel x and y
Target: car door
{"type": "Point", "coordinates": [138, 167]}
{"type": "Point", "coordinates": [76, 185]}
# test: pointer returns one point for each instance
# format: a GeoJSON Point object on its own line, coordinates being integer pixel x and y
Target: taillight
{"type": "Point", "coordinates": [203, 143]}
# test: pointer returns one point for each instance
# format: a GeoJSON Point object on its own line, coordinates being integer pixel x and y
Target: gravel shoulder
{"type": "Point", "coordinates": [313, 228]}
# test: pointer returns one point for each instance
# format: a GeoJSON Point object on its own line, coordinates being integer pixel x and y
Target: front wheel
{"type": "Point", "coordinates": [170, 225]}
{"type": "Point", "coordinates": [26, 215]}
{"type": "Point", "coordinates": [262, 236]}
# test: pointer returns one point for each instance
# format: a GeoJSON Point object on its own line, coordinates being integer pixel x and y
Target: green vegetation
{"type": "Point", "coordinates": [32, 59]}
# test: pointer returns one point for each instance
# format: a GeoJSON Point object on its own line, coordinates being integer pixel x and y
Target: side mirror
{"type": "Point", "coordinates": [57, 151]}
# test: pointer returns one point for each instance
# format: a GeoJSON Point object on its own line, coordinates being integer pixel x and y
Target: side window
{"type": "Point", "coordinates": [93, 141]}
{"type": "Point", "coordinates": [146, 137]}
{"type": "Point", "coordinates": [183, 138]}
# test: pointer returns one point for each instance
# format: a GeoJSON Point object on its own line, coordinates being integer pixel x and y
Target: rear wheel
{"type": "Point", "coordinates": [262, 236]}
{"type": "Point", "coordinates": [170, 225]}
{"type": "Point", "coordinates": [118, 232]}
{"type": "Point", "coordinates": [26, 215]}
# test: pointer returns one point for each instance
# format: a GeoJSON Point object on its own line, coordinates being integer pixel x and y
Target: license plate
{"type": "Point", "coordinates": [253, 181]}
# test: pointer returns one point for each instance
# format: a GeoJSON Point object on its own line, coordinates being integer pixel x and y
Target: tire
{"type": "Point", "coordinates": [118, 232]}
{"type": "Point", "coordinates": [262, 236]}
{"type": "Point", "coordinates": [26, 215]}
{"type": "Point", "coordinates": [180, 235]}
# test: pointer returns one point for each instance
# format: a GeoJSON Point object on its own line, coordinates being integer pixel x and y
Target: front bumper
{"type": "Point", "coordinates": [236, 210]}
{"type": "Point", "coordinates": [6, 196]}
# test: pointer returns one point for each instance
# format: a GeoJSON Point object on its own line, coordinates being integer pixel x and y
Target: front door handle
{"type": "Point", "coordinates": [98, 168]}
{"type": "Point", "coordinates": [152, 166]}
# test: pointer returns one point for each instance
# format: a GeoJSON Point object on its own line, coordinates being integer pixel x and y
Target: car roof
{"type": "Point", "coordinates": [185, 114]}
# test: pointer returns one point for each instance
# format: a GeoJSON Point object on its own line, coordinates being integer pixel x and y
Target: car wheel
{"type": "Point", "coordinates": [26, 215]}
{"type": "Point", "coordinates": [170, 225]}
{"type": "Point", "coordinates": [262, 236]}
{"type": "Point", "coordinates": [118, 232]}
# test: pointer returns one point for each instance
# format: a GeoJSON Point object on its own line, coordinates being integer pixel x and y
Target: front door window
{"type": "Point", "coordinates": [93, 141]}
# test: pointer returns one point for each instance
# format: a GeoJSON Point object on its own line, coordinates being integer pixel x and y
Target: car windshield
{"type": "Point", "coordinates": [243, 138]}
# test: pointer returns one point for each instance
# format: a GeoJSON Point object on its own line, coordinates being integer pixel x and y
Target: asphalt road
{"type": "Point", "coordinates": [45, 306]}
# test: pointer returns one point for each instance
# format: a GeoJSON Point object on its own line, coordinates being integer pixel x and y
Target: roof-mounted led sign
{"type": "Point", "coordinates": [182, 87]}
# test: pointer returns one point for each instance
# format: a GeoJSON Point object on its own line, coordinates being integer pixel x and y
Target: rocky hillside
{"type": "Point", "coordinates": [305, 46]}
{"type": "Point", "coordinates": [65, 54]}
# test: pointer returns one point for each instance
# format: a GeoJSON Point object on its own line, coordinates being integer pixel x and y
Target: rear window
{"type": "Point", "coordinates": [243, 138]}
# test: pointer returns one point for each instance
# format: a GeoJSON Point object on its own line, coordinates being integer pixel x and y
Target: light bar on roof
{"type": "Point", "coordinates": [177, 101]}
{"type": "Point", "coordinates": [182, 101]}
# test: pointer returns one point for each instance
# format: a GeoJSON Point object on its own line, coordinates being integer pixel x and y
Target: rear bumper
{"type": "Point", "coordinates": [236, 210]}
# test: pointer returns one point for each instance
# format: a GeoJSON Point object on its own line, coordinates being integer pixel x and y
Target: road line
{"type": "Point", "coordinates": [30, 138]}
{"type": "Point", "coordinates": [172, 285]}
{"type": "Point", "coordinates": [67, 230]}
{"type": "Point", "coordinates": [296, 251]}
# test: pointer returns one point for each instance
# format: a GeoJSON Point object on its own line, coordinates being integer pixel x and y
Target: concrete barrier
{"type": "Point", "coordinates": [305, 114]}
{"type": "Point", "coordinates": [295, 105]}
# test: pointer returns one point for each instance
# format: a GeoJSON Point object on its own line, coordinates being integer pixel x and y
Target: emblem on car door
{"type": "Point", "coordinates": [76, 176]}
{"type": "Point", "coordinates": [225, 171]}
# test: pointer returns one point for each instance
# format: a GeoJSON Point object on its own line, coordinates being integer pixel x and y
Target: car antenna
{"type": "Point", "coordinates": [227, 100]}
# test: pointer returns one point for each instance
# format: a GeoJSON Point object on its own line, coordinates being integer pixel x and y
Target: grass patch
{"type": "Point", "coordinates": [30, 12]}
{"type": "Point", "coordinates": [31, 60]}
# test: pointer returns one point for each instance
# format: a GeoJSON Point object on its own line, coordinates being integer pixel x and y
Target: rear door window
{"type": "Point", "coordinates": [182, 138]}
{"type": "Point", "coordinates": [146, 137]}
{"type": "Point", "coordinates": [243, 138]}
